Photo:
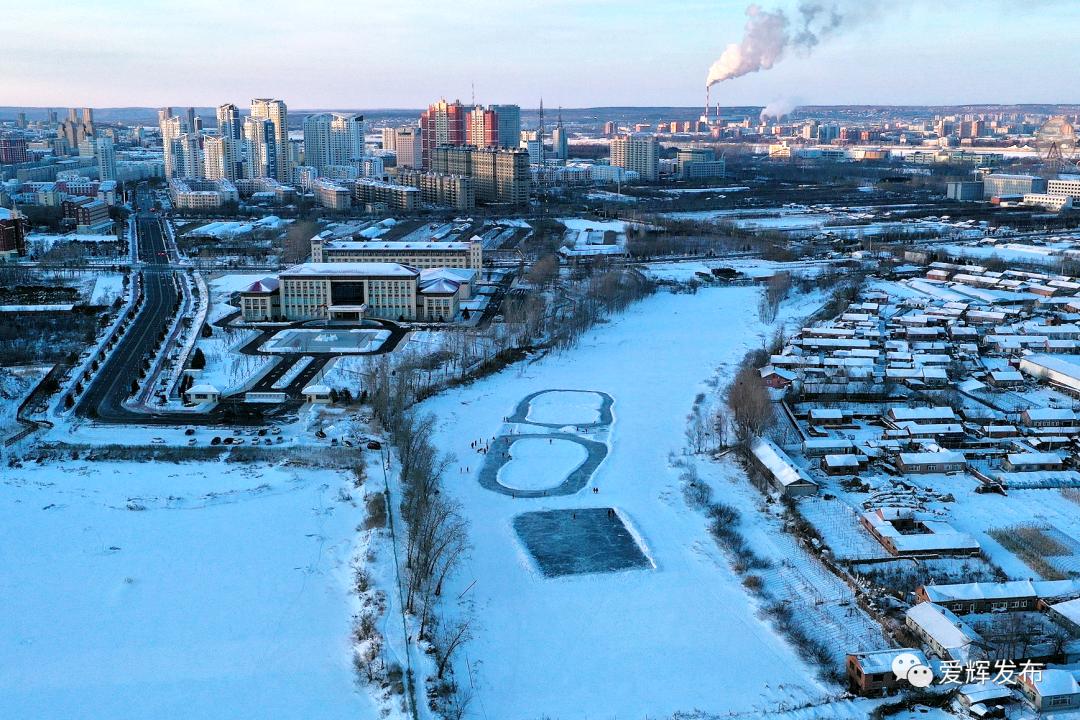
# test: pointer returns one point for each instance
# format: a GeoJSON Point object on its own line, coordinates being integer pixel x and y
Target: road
{"type": "Point", "coordinates": [103, 399]}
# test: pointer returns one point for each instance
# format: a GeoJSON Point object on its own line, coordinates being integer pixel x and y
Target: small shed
{"type": "Point", "coordinates": [203, 393]}
{"type": "Point", "coordinates": [317, 394]}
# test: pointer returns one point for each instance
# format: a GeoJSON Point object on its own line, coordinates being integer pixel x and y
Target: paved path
{"type": "Point", "coordinates": [499, 452]}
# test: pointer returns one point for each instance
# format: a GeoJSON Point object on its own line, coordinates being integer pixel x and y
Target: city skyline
{"type": "Point", "coordinates": [891, 57]}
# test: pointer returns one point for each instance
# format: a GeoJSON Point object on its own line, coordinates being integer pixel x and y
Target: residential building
{"type": "Point", "coordinates": [501, 175]}
{"type": "Point", "coordinates": [389, 138]}
{"type": "Point", "coordinates": [106, 158]}
{"type": "Point", "coordinates": [331, 195]}
{"type": "Point", "coordinates": [946, 635]}
{"type": "Point", "coordinates": [457, 191]}
{"type": "Point", "coordinates": [13, 149]}
{"type": "Point", "coordinates": [171, 129]}
{"type": "Point", "coordinates": [12, 234]}
{"type": "Point", "coordinates": [262, 157]}
{"type": "Point", "coordinates": [781, 471]}
{"type": "Point", "coordinates": [228, 122]}
{"type": "Point", "coordinates": [277, 113]}
{"type": "Point", "coordinates": [922, 463]}
{"type": "Point", "coordinates": [187, 156]}
{"type": "Point", "coordinates": [442, 123]}
{"type": "Point", "coordinates": [870, 673]}
{"type": "Point", "coordinates": [394, 196]}
{"type": "Point", "coordinates": [333, 139]}
{"type": "Point", "coordinates": [89, 214]}
{"type": "Point", "coordinates": [201, 194]}
{"type": "Point", "coordinates": [221, 158]}
{"type": "Point", "coordinates": [1051, 690]}
{"type": "Point", "coordinates": [482, 129]}
{"type": "Point", "coordinates": [639, 152]}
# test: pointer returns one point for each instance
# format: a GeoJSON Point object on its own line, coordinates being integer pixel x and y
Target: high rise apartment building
{"type": "Point", "coordinates": [262, 151]}
{"type": "Point", "coordinates": [482, 129]}
{"type": "Point", "coordinates": [442, 124]}
{"type": "Point", "coordinates": [277, 113]}
{"type": "Point", "coordinates": [639, 152]}
{"type": "Point", "coordinates": [333, 140]}
{"type": "Point", "coordinates": [106, 158]}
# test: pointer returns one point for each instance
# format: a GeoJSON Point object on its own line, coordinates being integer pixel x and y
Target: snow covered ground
{"type": "Point", "coordinates": [540, 463]}
{"type": "Point", "coordinates": [679, 636]}
{"type": "Point", "coordinates": [566, 407]}
{"type": "Point", "coordinates": [209, 590]}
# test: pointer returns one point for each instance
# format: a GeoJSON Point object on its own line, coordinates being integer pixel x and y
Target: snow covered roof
{"type": "Point", "coordinates": [1034, 458]}
{"type": "Point", "coordinates": [395, 245]}
{"type": "Point", "coordinates": [923, 413]}
{"type": "Point", "coordinates": [1070, 610]}
{"type": "Point", "coordinates": [1050, 414]}
{"type": "Point", "coordinates": [348, 269]}
{"type": "Point", "coordinates": [928, 458]}
{"type": "Point", "coordinates": [266, 285]}
{"type": "Point", "coordinates": [778, 463]}
{"type": "Point", "coordinates": [941, 624]}
{"type": "Point", "coordinates": [879, 661]}
{"type": "Point", "coordinates": [439, 286]}
{"type": "Point", "coordinates": [1052, 682]}
{"type": "Point", "coordinates": [316, 390]}
{"type": "Point", "coordinates": [203, 389]}
{"type": "Point", "coordinates": [959, 592]}
{"type": "Point", "coordinates": [5, 214]}
{"type": "Point", "coordinates": [1050, 362]}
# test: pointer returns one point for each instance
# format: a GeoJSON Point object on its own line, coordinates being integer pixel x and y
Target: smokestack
{"type": "Point", "coordinates": [706, 113]}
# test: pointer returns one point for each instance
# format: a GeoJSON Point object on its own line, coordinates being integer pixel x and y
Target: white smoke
{"type": "Point", "coordinates": [769, 34]}
{"type": "Point", "coordinates": [778, 108]}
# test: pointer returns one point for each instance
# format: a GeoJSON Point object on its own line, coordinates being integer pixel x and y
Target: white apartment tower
{"type": "Point", "coordinates": [221, 158]}
{"type": "Point", "coordinates": [333, 139]}
{"type": "Point", "coordinates": [639, 152]}
{"type": "Point", "coordinates": [170, 130]}
{"type": "Point", "coordinates": [262, 156]}
{"type": "Point", "coordinates": [187, 155]}
{"type": "Point", "coordinates": [106, 158]}
{"type": "Point", "coordinates": [277, 113]}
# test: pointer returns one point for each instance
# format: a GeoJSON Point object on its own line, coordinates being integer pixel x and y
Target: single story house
{"type": "Point", "coordinates": [1051, 690]}
{"type": "Point", "coordinates": [931, 462]}
{"type": "Point", "coordinates": [870, 673]}
{"type": "Point", "coordinates": [782, 472]}
{"type": "Point", "coordinates": [947, 636]}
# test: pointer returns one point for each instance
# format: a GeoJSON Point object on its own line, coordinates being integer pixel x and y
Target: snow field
{"type": "Point", "coordinates": [565, 408]}
{"type": "Point", "coordinates": [588, 645]}
{"type": "Point", "coordinates": [206, 590]}
{"type": "Point", "coordinates": [538, 464]}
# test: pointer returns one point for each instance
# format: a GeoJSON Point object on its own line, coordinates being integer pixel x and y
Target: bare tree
{"type": "Point", "coordinates": [751, 408]}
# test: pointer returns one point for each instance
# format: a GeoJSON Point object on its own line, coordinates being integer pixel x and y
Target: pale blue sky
{"type": "Point", "coordinates": [576, 53]}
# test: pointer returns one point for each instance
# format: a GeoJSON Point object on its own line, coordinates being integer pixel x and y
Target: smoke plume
{"type": "Point", "coordinates": [770, 34]}
{"type": "Point", "coordinates": [778, 108]}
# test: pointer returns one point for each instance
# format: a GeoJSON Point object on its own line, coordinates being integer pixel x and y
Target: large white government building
{"type": "Point", "coordinates": [351, 291]}
{"type": "Point", "coordinates": [431, 254]}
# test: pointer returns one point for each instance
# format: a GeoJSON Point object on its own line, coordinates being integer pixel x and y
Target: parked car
{"type": "Point", "coordinates": [374, 445]}
{"type": "Point", "coordinates": [157, 441]}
